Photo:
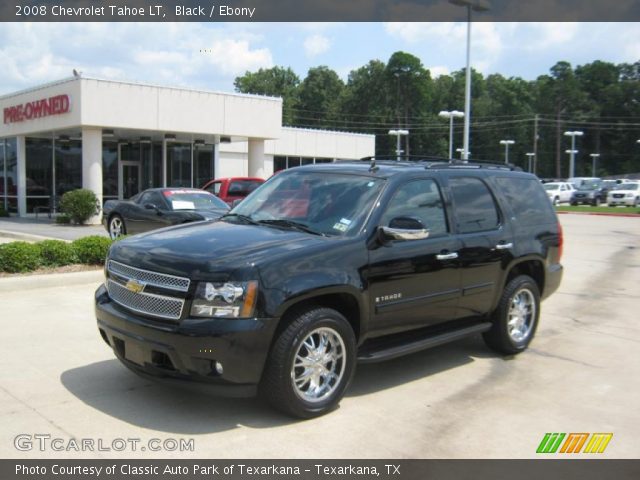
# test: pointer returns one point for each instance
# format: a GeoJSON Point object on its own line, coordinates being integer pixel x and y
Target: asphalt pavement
{"type": "Point", "coordinates": [58, 378]}
{"type": "Point", "coordinates": [32, 229]}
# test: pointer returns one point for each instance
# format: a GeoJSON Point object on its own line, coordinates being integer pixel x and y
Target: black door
{"type": "Point", "coordinates": [414, 283]}
{"type": "Point", "coordinates": [486, 243]}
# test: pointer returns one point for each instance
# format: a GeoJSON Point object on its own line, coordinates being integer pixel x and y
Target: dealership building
{"type": "Point", "coordinates": [118, 138]}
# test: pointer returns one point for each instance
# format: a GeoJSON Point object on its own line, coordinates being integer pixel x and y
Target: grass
{"type": "Point", "coordinates": [588, 209]}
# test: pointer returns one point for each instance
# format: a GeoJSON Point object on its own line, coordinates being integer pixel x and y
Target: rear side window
{"type": "Point", "coordinates": [242, 188]}
{"type": "Point", "coordinates": [527, 200]}
{"type": "Point", "coordinates": [475, 208]}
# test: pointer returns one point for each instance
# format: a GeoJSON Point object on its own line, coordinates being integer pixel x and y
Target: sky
{"type": "Point", "coordinates": [210, 55]}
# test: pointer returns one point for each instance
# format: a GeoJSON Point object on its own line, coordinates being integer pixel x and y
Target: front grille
{"type": "Point", "coordinates": [580, 195]}
{"type": "Point", "coordinates": [162, 280]}
{"type": "Point", "coordinates": [618, 195]}
{"type": "Point", "coordinates": [146, 303]}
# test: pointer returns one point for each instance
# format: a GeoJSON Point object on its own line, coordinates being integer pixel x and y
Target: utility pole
{"type": "Point", "coordinates": [535, 144]}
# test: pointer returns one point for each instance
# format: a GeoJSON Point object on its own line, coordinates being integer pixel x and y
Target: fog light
{"type": "Point", "coordinates": [219, 369]}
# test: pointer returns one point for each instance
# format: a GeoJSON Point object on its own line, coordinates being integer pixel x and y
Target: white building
{"type": "Point", "coordinates": [117, 138]}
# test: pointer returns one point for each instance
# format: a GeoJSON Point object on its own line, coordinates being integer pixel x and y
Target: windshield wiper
{"type": "Point", "coordinates": [281, 222]}
{"type": "Point", "coordinates": [245, 218]}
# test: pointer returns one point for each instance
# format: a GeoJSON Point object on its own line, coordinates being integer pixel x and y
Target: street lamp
{"type": "Point", "coordinates": [506, 144]}
{"type": "Point", "coordinates": [451, 115]}
{"type": "Point", "coordinates": [572, 158]}
{"type": "Point", "coordinates": [476, 6]}
{"type": "Point", "coordinates": [398, 134]}
{"type": "Point", "coordinates": [595, 157]}
{"type": "Point", "coordinates": [461, 152]}
{"type": "Point", "coordinates": [530, 157]}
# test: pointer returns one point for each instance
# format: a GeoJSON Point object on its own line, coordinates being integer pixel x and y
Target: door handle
{"type": "Point", "coordinates": [447, 256]}
{"type": "Point", "coordinates": [504, 246]}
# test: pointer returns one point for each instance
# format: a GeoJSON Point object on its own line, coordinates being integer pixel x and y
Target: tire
{"type": "Point", "coordinates": [499, 337]}
{"type": "Point", "coordinates": [117, 227]}
{"type": "Point", "coordinates": [301, 339]}
{"type": "Point", "coordinates": [556, 201]}
{"type": "Point", "coordinates": [596, 202]}
{"type": "Point", "coordinates": [574, 204]}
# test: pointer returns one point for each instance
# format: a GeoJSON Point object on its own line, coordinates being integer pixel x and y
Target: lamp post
{"type": "Point", "coordinates": [530, 157]}
{"type": "Point", "coordinates": [573, 151]}
{"type": "Point", "coordinates": [398, 134]}
{"type": "Point", "coordinates": [594, 157]}
{"type": "Point", "coordinates": [476, 6]}
{"type": "Point", "coordinates": [451, 115]}
{"type": "Point", "coordinates": [506, 144]}
{"type": "Point", "coordinates": [461, 152]}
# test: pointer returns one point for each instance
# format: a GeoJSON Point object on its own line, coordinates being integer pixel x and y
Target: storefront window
{"type": "Point", "coordinates": [109, 170]}
{"type": "Point", "coordinates": [279, 163]}
{"type": "Point", "coordinates": [178, 165]}
{"type": "Point", "coordinates": [39, 172]}
{"type": "Point", "coordinates": [9, 172]}
{"type": "Point", "coordinates": [68, 175]}
{"type": "Point", "coordinates": [203, 168]}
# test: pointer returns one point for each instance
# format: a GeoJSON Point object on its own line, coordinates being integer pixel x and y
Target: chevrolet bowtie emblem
{"type": "Point", "coordinates": [135, 286]}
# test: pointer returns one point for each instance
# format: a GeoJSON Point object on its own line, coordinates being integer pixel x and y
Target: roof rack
{"type": "Point", "coordinates": [439, 162]}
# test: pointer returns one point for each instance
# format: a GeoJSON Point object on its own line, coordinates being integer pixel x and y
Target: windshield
{"type": "Point", "coordinates": [551, 186]}
{"type": "Point", "coordinates": [193, 200]}
{"type": "Point", "coordinates": [590, 185]}
{"type": "Point", "coordinates": [323, 203]}
{"type": "Point", "coordinates": [626, 186]}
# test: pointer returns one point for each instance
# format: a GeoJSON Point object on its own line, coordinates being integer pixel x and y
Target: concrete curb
{"type": "Point", "coordinates": [51, 280]}
{"type": "Point", "coordinates": [28, 237]}
{"type": "Point", "coordinates": [602, 214]}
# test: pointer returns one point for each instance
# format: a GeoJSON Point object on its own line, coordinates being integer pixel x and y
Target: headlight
{"type": "Point", "coordinates": [629, 195]}
{"type": "Point", "coordinates": [225, 300]}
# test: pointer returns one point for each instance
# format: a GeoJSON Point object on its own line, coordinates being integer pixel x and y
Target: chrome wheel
{"type": "Point", "coordinates": [522, 314]}
{"type": "Point", "coordinates": [116, 227]}
{"type": "Point", "coordinates": [318, 365]}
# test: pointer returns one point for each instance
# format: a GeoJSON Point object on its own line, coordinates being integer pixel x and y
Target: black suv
{"type": "Point", "coordinates": [328, 265]}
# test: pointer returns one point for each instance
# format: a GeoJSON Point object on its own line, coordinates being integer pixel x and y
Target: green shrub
{"type": "Point", "coordinates": [56, 253]}
{"type": "Point", "coordinates": [3, 212]}
{"type": "Point", "coordinates": [16, 257]}
{"type": "Point", "coordinates": [80, 205]}
{"type": "Point", "coordinates": [63, 219]}
{"type": "Point", "coordinates": [92, 250]}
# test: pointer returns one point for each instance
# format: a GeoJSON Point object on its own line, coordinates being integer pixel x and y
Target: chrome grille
{"type": "Point", "coordinates": [162, 280]}
{"type": "Point", "coordinates": [146, 303]}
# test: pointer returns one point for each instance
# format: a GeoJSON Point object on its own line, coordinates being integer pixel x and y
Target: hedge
{"type": "Point", "coordinates": [92, 250]}
{"type": "Point", "coordinates": [79, 205]}
{"type": "Point", "coordinates": [18, 257]}
{"type": "Point", "coordinates": [56, 253]}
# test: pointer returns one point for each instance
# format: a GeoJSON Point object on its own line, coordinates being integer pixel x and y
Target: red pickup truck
{"type": "Point", "coordinates": [233, 188]}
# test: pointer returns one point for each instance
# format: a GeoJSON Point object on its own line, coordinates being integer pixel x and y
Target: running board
{"type": "Point", "coordinates": [398, 350]}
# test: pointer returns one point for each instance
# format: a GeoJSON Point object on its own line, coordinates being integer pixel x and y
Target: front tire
{"type": "Point", "coordinates": [310, 364]}
{"type": "Point", "coordinates": [556, 201]}
{"type": "Point", "coordinates": [516, 318]}
{"type": "Point", "coordinates": [596, 202]}
{"type": "Point", "coordinates": [117, 227]}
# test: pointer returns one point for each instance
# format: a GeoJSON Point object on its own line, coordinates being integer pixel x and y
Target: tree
{"type": "Point", "coordinates": [275, 82]}
{"type": "Point", "coordinates": [318, 98]}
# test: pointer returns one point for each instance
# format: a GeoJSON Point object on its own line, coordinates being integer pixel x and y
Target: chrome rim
{"type": "Point", "coordinates": [115, 227]}
{"type": "Point", "coordinates": [522, 313]}
{"type": "Point", "coordinates": [318, 365]}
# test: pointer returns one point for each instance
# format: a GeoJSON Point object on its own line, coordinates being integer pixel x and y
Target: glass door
{"type": "Point", "coordinates": [129, 179]}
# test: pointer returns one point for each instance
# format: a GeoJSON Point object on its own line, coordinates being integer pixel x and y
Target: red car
{"type": "Point", "coordinates": [233, 188]}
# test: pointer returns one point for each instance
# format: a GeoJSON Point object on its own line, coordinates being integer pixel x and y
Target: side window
{"type": "Point", "coordinates": [419, 199]}
{"type": "Point", "coordinates": [527, 200]}
{"type": "Point", "coordinates": [144, 198]}
{"type": "Point", "coordinates": [475, 207]}
{"type": "Point", "coordinates": [156, 199]}
{"type": "Point", "coordinates": [214, 188]}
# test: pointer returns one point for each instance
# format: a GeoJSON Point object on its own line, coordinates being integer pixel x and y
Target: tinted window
{"type": "Point", "coordinates": [474, 205]}
{"type": "Point", "coordinates": [527, 200]}
{"type": "Point", "coordinates": [213, 188]}
{"type": "Point", "coordinates": [192, 200]}
{"type": "Point", "coordinates": [242, 188]}
{"type": "Point", "coordinates": [419, 199]}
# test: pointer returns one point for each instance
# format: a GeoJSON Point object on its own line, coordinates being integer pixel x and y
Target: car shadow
{"type": "Point", "coordinates": [112, 389]}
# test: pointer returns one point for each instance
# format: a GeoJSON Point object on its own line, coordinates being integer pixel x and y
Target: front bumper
{"type": "Point", "coordinates": [186, 354]}
{"type": "Point", "coordinates": [613, 202]}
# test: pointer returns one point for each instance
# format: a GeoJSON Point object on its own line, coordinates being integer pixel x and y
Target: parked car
{"type": "Point", "coordinates": [577, 182]}
{"type": "Point", "coordinates": [234, 188]}
{"type": "Point", "coordinates": [160, 207]}
{"type": "Point", "coordinates": [328, 265]}
{"type": "Point", "coordinates": [559, 192]}
{"type": "Point", "coordinates": [592, 192]}
{"type": "Point", "coordinates": [627, 193]}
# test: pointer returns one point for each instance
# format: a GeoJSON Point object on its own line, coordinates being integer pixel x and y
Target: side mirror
{"type": "Point", "coordinates": [151, 206]}
{"type": "Point", "coordinates": [404, 228]}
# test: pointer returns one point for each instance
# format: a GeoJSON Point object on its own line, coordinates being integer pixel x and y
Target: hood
{"type": "Point", "coordinates": [197, 250]}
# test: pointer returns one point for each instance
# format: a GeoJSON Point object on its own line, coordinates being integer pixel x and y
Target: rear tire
{"type": "Point", "coordinates": [556, 201]}
{"type": "Point", "coordinates": [516, 318]}
{"type": "Point", "coordinates": [310, 364]}
{"type": "Point", "coordinates": [117, 227]}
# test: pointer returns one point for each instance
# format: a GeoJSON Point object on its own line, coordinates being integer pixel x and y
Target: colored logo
{"type": "Point", "coordinates": [574, 443]}
{"type": "Point", "coordinates": [135, 286]}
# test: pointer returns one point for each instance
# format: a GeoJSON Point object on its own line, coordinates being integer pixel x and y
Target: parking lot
{"type": "Point", "coordinates": [456, 401]}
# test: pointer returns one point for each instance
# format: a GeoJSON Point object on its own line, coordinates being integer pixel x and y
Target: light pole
{"type": "Point", "coordinates": [398, 134]}
{"type": "Point", "coordinates": [530, 157]}
{"type": "Point", "coordinates": [451, 115]}
{"type": "Point", "coordinates": [506, 144]}
{"type": "Point", "coordinates": [594, 157]}
{"type": "Point", "coordinates": [476, 6]}
{"type": "Point", "coordinates": [572, 158]}
{"type": "Point", "coordinates": [461, 152]}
